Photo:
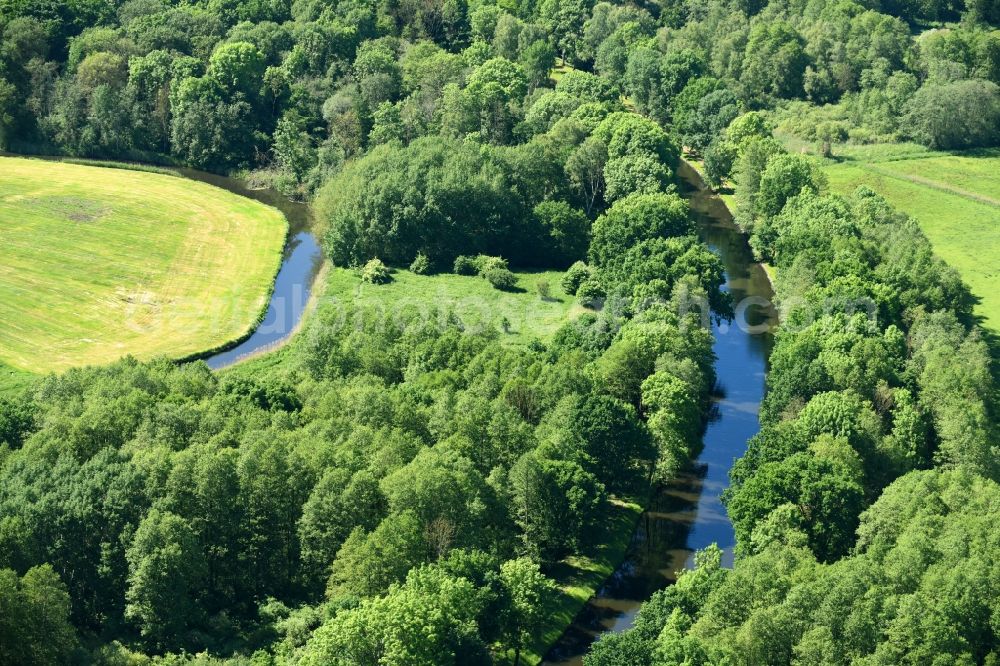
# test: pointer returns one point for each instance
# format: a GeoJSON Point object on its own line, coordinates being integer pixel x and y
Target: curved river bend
{"type": "Point", "coordinates": [293, 285]}
{"type": "Point", "coordinates": [687, 514]}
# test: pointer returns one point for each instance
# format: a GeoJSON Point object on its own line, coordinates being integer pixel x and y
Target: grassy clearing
{"type": "Point", "coordinates": [98, 263]}
{"type": "Point", "coordinates": [472, 298]}
{"type": "Point", "coordinates": [560, 70]}
{"type": "Point", "coordinates": [13, 380]}
{"type": "Point", "coordinates": [955, 197]}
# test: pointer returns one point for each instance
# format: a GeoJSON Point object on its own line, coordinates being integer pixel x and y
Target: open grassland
{"type": "Point", "coordinates": [97, 263]}
{"type": "Point", "coordinates": [473, 300]}
{"type": "Point", "coordinates": [956, 199]}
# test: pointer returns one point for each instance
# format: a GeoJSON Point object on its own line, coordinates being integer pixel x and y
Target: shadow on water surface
{"type": "Point", "coordinates": [687, 514]}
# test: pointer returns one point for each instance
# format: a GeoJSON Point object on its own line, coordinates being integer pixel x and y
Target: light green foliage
{"type": "Point", "coordinates": [575, 275]}
{"type": "Point", "coordinates": [445, 492]}
{"type": "Point", "coordinates": [375, 272]}
{"type": "Point", "coordinates": [640, 174]}
{"type": "Point", "coordinates": [237, 67]}
{"type": "Point", "coordinates": [368, 563]}
{"type": "Point", "coordinates": [674, 419]}
{"type": "Point", "coordinates": [636, 218]}
{"type": "Point", "coordinates": [527, 591]}
{"type": "Point", "coordinates": [421, 265]}
{"type": "Point", "coordinates": [430, 619]}
{"type": "Point", "coordinates": [590, 293]}
{"type": "Point", "coordinates": [550, 107]}
{"type": "Point", "coordinates": [501, 75]}
{"type": "Point", "coordinates": [585, 86]}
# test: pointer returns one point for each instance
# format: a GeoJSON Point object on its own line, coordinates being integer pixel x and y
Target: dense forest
{"type": "Point", "coordinates": [404, 492]}
{"type": "Point", "coordinates": [865, 509]}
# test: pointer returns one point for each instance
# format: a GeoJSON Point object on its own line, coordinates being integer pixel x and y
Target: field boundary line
{"type": "Point", "coordinates": [934, 185]}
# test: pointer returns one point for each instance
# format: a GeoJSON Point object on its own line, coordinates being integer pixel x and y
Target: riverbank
{"type": "Point", "coordinates": [728, 200]}
{"type": "Point", "coordinates": [687, 514]}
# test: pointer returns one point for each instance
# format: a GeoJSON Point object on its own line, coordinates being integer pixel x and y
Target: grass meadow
{"type": "Point", "coordinates": [474, 301]}
{"type": "Point", "coordinates": [96, 263]}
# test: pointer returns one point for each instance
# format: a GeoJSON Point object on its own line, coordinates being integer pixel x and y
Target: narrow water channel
{"type": "Point", "coordinates": [293, 285]}
{"type": "Point", "coordinates": [687, 514]}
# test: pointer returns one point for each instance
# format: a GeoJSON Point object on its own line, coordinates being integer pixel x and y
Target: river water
{"type": "Point", "coordinates": [687, 514]}
{"type": "Point", "coordinates": [293, 285]}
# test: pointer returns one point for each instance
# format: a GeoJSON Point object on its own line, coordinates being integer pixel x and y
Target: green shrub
{"type": "Point", "coordinates": [375, 272]}
{"type": "Point", "coordinates": [574, 277]}
{"type": "Point", "coordinates": [485, 263]}
{"type": "Point", "coordinates": [465, 265]}
{"type": "Point", "coordinates": [590, 292]}
{"type": "Point", "coordinates": [500, 278]}
{"type": "Point", "coordinates": [542, 286]}
{"type": "Point", "coordinates": [421, 264]}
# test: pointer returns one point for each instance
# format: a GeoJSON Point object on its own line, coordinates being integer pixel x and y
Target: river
{"type": "Point", "coordinates": [687, 514]}
{"type": "Point", "coordinates": [293, 285]}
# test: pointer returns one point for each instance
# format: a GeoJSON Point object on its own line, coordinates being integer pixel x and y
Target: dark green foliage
{"type": "Point", "coordinates": [268, 395]}
{"type": "Point", "coordinates": [830, 513]}
{"type": "Point", "coordinates": [554, 503]}
{"type": "Point", "coordinates": [401, 464]}
{"type": "Point", "coordinates": [166, 573]}
{"type": "Point", "coordinates": [899, 598]}
{"type": "Point", "coordinates": [365, 218]}
{"type": "Point", "coordinates": [35, 627]}
{"type": "Point", "coordinates": [775, 62]}
{"type": "Point", "coordinates": [176, 504]}
{"type": "Point", "coordinates": [961, 114]}
{"type": "Point", "coordinates": [568, 228]}
{"type": "Point", "coordinates": [16, 421]}
{"type": "Point", "coordinates": [465, 265]}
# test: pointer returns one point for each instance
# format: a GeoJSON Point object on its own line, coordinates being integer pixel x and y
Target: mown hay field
{"type": "Point", "coordinates": [97, 263]}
